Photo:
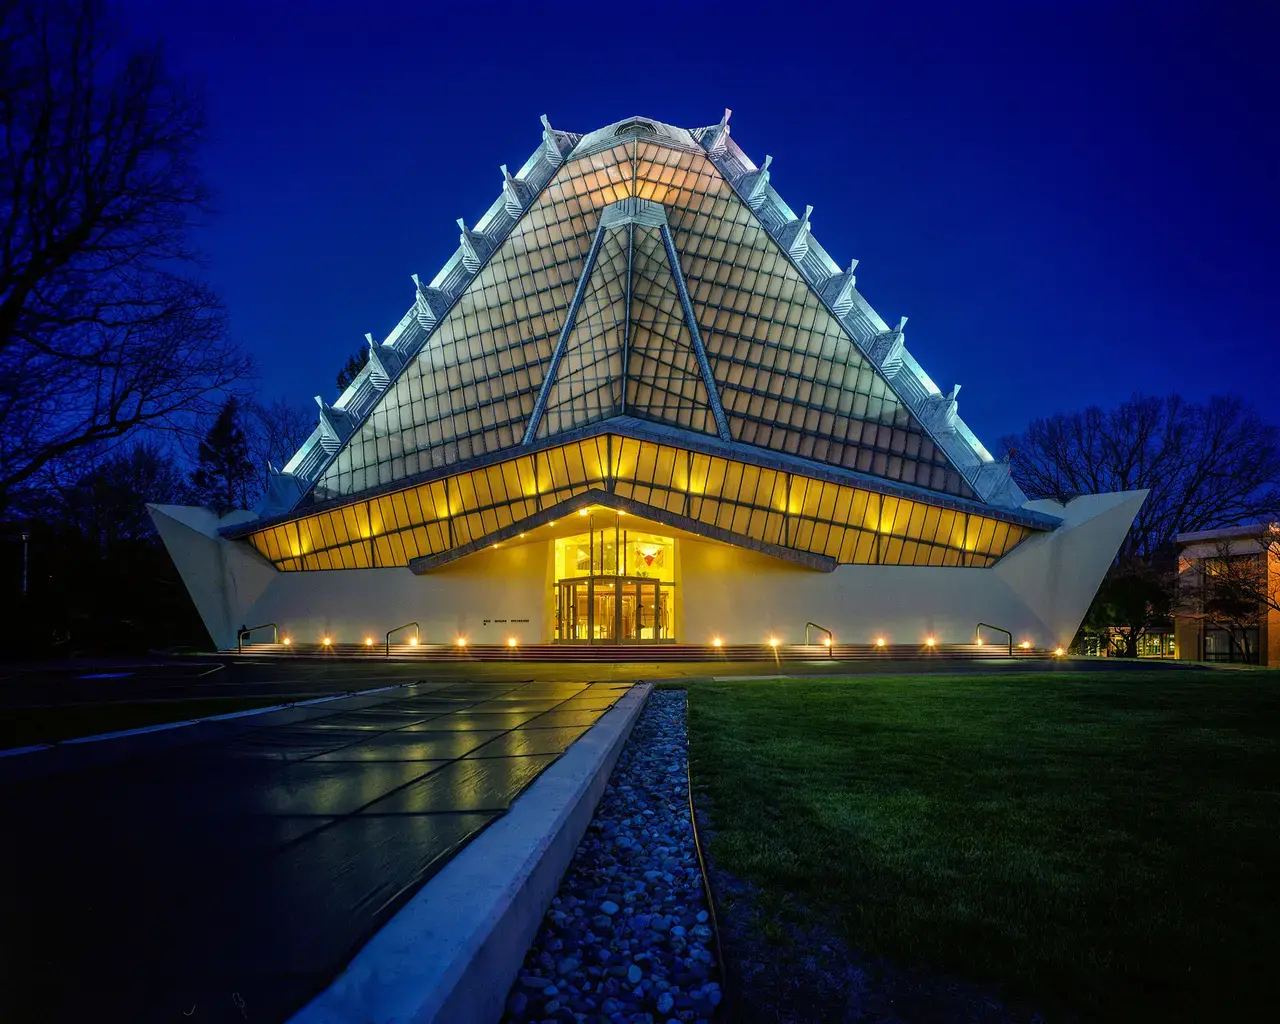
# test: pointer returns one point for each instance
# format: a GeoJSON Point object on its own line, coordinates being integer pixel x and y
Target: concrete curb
{"type": "Point", "coordinates": [452, 952]}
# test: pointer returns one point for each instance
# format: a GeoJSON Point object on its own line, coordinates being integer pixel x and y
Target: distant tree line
{"type": "Point", "coordinates": [1206, 465]}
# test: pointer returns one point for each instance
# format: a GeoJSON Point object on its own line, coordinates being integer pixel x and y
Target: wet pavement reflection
{"type": "Point", "coordinates": [233, 879]}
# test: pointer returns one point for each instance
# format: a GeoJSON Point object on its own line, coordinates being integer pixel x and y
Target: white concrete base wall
{"type": "Point", "coordinates": [749, 598]}
{"type": "Point", "coordinates": [1040, 591]}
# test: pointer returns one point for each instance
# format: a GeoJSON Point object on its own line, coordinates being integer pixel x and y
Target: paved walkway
{"type": "Point", "coordinates": [233, 879]}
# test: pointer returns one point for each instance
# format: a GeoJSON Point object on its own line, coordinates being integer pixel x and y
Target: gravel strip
{"type": "Point", "coordinates": [627, 937]}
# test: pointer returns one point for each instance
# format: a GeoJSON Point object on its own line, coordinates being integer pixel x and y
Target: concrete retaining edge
{"type": "Point", "coordinates": [452, 952]}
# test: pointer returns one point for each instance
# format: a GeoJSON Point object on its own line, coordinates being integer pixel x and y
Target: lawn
{"type": "Point", "coordinates": [1103, 846]}
{"type": "Point", "coordinates": [28, 725]}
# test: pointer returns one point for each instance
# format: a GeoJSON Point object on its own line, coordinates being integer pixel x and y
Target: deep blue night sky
{"type": "Point", "coordinates": [1069, 201]}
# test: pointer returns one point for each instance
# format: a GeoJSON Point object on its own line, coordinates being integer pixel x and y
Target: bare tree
{"type": "Point", "coordinates": [103, 329]}
{"type": "Point", "coordinates": [276, 430]}
{"type": "Point", "coordinates": [1206, 466]}
{"type": "Point", "coordinates": [1233, 587]}
{"type": "Point", "coordinates": [1210, 465]}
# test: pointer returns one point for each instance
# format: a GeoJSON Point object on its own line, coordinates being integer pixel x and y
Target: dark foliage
{"type": "Point", "coordinates": [99, 579]}
{"type": "Point", "coordinates": [224, 477]}
{"type": "Point", "coordinates": [103, 328]}
{"type": "Point", "coordinates": [351, 370]}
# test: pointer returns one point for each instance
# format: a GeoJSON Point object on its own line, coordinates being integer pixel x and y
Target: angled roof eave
{"type": "Point", "coordinates": [361, 396]}
{"type": "Point", "coordinates": [716, 144]}
{"type": "Point", "coordinates": [706, 444]}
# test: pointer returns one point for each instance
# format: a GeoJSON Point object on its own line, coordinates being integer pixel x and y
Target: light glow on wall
{"type": "Point", "coordinates": [840, 521]}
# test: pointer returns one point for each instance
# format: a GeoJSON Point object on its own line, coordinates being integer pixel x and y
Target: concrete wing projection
{"type": "Point", "coordinates": [642, 404]}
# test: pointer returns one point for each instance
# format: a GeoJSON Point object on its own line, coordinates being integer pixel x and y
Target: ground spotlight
{"type": "Point", "coordinates": [929, 641]}
{"type": "Point", "coordinates": [368, 641]}
{"type": "Point", "coordinates": [511, 641]}
{"type": "Point", "coordinates": [286, 641]}
{"type": "Point", "coordinates": [1058, 652]}
{"type": "Point", "coordinates": [327, 641]}
{"type": "Point", "coordinates": [879, 641]}
{"type": "Point", "coordinates": [716, 642]}
{"type": "Point", "coordinates": [413, 641]}
{"type": "Point", "coordinates": [773, 641]}
{"type": "Point", "coordinates": [462, 641]}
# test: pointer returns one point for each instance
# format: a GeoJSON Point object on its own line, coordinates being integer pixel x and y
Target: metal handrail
{"type": "Point", "coordinates": [978, 635]}
{"type": "Point", "coordinates": [245, 631]}
{"type": "Point", "coordinates": [831, 637]}
{"type": "Point", "coordinates": [417, 633]}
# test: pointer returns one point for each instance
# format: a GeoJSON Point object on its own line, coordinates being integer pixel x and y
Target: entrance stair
{"type": "Point", "coordinates": [603, 654]}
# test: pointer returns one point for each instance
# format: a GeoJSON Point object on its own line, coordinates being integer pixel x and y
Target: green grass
{"type": "Point", "coordinates": [21, 727]}
{"type": "Point", "coordinates": [1104, 846]}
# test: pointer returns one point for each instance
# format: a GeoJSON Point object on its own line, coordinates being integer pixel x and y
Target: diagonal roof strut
{"type": "Point", "coordinates": [704, 364]}
{"type": "Point", "coordinates": [571, 315]}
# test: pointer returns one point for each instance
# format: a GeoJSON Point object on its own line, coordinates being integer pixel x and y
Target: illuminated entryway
{"type": "Point", "coordinates": [614, 584]}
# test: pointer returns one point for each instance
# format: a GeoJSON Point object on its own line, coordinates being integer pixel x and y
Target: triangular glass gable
{"type": "Point", "coordinates": [588, 382]}
{"type": "Point", "coordinates": [664, 382]}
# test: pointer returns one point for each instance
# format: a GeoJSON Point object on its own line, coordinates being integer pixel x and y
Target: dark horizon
{"type": "Point", "coordinates": [1069, 204]}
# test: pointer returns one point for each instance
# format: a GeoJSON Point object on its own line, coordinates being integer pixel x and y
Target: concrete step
{"type": "Point", "coordinates": [602, 653]}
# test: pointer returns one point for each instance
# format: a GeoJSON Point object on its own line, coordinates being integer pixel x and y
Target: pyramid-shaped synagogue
{"type": "Point", "coordinates": [640, 323]}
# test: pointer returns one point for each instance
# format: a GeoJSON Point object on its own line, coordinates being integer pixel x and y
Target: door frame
{"type": "Point", "coordinates": [567, 609]}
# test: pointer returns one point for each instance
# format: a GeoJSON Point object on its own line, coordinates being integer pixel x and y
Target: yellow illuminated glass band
{"type": "Point", "coordinates": [769, 506]}
{"type": "Point", "coordinates": [789, 378]}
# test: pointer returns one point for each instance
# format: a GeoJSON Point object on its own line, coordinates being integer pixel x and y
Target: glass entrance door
{"type": "Point", "coordinates": [604, 607]}
{"type": "Point", "coordinates": [614, 609]}
{"type": "Point", "coordinates": [639, 611]}
{"type": "Point", "coordinates": [575, 610]}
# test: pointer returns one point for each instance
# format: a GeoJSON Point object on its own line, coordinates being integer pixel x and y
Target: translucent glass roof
{"type": "Point", "coordinates": [570, 321]}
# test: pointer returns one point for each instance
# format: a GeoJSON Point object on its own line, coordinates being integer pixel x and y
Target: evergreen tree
{"type": "Point", "coordinates": [355, 363]}
{"type": "Point", "coordinates": [224, 477]}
